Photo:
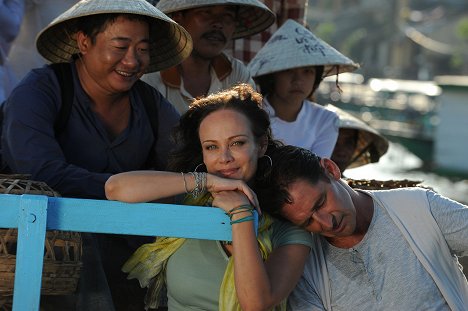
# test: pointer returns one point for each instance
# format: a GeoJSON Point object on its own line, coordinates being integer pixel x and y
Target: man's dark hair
{"type": "Point", "coordinates": [290, 164]}
{"type": "Point", "coordinates": [92, 25]}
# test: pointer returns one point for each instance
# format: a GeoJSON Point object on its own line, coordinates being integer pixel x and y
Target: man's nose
{"type": "Point", "coordinates": [217, 21]}
{"type": "Point", "coordinates": [131, 58]}
{"type": "Point", "coordinates": [324, 219]}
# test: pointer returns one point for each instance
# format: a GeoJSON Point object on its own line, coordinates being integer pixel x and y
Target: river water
{"type": "Point", "coordinates": [399, 163]}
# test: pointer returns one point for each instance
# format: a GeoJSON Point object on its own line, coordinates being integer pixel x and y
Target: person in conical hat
{"type": "Point", "coordinates": [74, 123]}
{"type": "Point", "coordinates": [106, 46]}
{"type": "Point", "coordinates": [288, 69]}
{"type": "Point", "coordinates": [358, 143]}
{"type": "Point", "coordinates": [246, 48]}
{"type": "Point", "coordinates": [212, 24]}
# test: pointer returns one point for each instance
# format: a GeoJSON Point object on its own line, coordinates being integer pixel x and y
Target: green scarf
{"type": "Point", "coordinates": [148, 263]}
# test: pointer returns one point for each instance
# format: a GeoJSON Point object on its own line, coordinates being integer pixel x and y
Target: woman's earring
{"type": "Point", "coordinates": [269, 159]}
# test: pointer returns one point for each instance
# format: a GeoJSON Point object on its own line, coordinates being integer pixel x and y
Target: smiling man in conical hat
{"type": "Point", "coordinates": [211, 24]}
{"type": "Point", "coordinates": [74, 123]}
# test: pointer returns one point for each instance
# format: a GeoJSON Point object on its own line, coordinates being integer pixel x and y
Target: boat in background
{"type": "Point", "coordinates": [404, 111]}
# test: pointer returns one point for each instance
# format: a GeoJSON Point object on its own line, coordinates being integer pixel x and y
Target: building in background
{"type": "Point", "coordinates": [402, 39]}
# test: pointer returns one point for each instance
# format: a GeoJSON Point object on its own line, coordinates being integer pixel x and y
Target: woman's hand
{"type": "Point", "coordinates": [217, 184]}
{"type": "Point", "coordinates": [227, 200]}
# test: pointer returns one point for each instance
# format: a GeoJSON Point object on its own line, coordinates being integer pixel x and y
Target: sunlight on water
{"type": "Point", "coordinates": [399, 163]}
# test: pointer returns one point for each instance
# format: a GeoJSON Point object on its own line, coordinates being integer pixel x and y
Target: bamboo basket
{"type": "Point", "coordinates": [62, 252]}
{"type": "Point", "coordinates": [373, 184]}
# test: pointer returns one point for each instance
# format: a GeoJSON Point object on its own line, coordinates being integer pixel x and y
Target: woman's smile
{"type": "Point", "coordinates": [229, 146]}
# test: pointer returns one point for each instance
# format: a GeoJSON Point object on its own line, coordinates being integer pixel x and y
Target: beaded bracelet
{"type": "Point", "coordinates": [240, 209]}
{"type": "Point", "coordinates": [240, 212]}
{"type": "Point", "coordinates": [244, 219]}
{"type": "Point", "coordinates": [243, 207]}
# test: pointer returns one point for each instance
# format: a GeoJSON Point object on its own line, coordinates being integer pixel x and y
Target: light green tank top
{"type": "Point", "coordinates": [196, 270]}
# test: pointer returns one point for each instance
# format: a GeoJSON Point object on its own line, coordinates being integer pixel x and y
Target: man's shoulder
{"type": "Point", "coordinates": [401, 201]}
{"type": "Point", "coordinates": [237, 66]}
{"type": "Point", "coordinates": [398, 192]}
{"type": "Point", "coordinates": [230, 70]}
{"type": "Point", "coordinates": [38, 76]}
{"type": "Point", "coordinates": [151, 94]}
{"type": "Point", "coordinates": [153, 79]}
{"type": "Point", "coordinates": [37, 83]}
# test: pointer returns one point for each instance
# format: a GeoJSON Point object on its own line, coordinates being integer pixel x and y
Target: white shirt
{"type": "Point", "coordinates": [315, 128]}
{"type": "Point", "coordinates": [225, 72]}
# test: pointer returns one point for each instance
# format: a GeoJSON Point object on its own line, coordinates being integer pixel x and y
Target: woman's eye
{"type": "Point", "coordinates": [210, 147]}
{"type": "Point", "coordinates": [238, 143]}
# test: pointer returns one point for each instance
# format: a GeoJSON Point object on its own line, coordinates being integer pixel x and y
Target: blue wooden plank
{"type": "Point", "coordinates": [124, 218]}
{"type": "Point", "coordinates": [9, 204]}
{"type": "Point", "coordinates": [30, 252]}
{"type": "Point", "coordinates": [150, 219]}
{"type": "Point", "coordinates": [38, 212]}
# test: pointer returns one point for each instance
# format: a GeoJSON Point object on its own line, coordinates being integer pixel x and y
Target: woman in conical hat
{"type": "Point", "coordinates": [288, 69]}
{"type": "Point", "coordinates": [358, 143]}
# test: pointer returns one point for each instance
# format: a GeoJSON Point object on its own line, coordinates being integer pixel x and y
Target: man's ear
{"type": "Point", "coordinates": [83, 42]}
{"type": "Point", "coordinates": [331, 169]}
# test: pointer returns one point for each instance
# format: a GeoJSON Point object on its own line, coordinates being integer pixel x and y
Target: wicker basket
{"type": "Point", "coordinates": [373, 184]}
{"type": "Point", "coordinates": [62, 253]}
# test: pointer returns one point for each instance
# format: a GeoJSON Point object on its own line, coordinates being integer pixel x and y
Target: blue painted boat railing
{"type": "Point", "coordinates": [34, 214]}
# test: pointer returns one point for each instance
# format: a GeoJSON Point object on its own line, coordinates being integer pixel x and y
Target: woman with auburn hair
{"type": "Point", "coordinates": [229, 134]}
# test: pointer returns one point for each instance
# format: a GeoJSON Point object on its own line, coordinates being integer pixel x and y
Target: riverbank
{"type": "Point", "coordinates": [399, 163]}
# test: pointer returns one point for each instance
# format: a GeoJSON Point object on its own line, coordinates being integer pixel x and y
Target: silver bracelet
{"type": "Point", "coordinates": [185, 182]}
{"type": "Point", "coordinates": [200, 183]}
{"type": "Point", "coordinates": [195, 187]}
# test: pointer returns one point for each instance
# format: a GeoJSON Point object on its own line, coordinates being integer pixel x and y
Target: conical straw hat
{"type": "Point", "coordinates": [294, 46]}
{"type": "Point", "coordinates": [170, 43]}
{"type": "Point", "coordinates": [371, 145]}
{"type": "Point", "coordinates": [253, 16]}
